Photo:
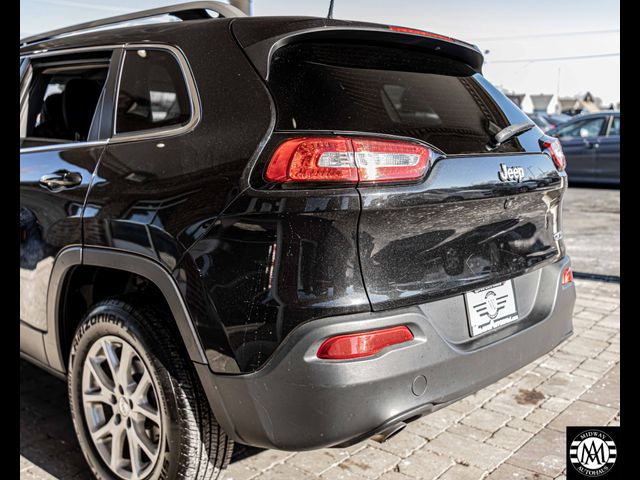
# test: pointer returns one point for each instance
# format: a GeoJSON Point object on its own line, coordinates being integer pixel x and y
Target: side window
{"type": "Point", "coordinates": [582, 129]}
{"type": "Point", "coordinates": [153, 93]}
{"type": "Point", "coordinates": [60, 99]}
{"type": "Point", "coordinates": [615, 127]}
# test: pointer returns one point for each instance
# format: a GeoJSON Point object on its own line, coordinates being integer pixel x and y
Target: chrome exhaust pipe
{"type": "Point", "coordinates": [389, 432]}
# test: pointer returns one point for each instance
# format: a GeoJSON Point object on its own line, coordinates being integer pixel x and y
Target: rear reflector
{"type": "Point", "coordinates": [348, 160]}
{"type": "Point", "coordinates": [364, 344]}
{"type": "Point", "coordinates": [554, 149]}
{"type": "Point", "coordinates": [567, 276]}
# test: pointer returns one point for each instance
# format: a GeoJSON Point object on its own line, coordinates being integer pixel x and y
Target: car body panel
{"type": "Point", "coordinates": [49, 221]}
{"type": "Point", "coordinates": [581, 157]}
{"type": "Point", "coordinates": [438, 238]}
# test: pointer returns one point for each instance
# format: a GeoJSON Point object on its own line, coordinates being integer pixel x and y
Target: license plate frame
{"type": "Point", "coordinates": [490, 308]}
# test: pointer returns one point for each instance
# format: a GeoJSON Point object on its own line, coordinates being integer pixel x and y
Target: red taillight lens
{"type": "Point", "coordinates": [554, 148]}
{"type": "Point", "coordinates": [364, 344]}
{"type": "Point", "coordinates": [567, 276]}
{"type": "Point", "coordinates": [350, 160]}
{"type": "Point", "coordinates": [313, 160]}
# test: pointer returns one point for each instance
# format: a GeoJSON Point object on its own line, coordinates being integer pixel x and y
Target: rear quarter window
{"type": "Point", "coordinates": [153, 93]}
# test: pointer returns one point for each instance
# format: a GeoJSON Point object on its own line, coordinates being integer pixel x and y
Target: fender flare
{"type": "Point", "coordinates": [75, 256]}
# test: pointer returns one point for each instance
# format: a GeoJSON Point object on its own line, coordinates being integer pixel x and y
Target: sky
{"type": "Point", "coordinates": [531, 45]}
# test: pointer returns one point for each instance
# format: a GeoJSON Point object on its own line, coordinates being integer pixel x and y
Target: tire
{"type": "Point", "coordinates": [163, 412]}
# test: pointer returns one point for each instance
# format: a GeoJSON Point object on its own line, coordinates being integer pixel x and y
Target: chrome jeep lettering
{"type": "Point", "coordinates": [507, 174]}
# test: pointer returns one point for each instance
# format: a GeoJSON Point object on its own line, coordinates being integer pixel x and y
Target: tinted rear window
{"type": "Point", "coordinates": [382, 89]}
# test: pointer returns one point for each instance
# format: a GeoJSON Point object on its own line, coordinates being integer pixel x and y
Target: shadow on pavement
{"type": "Point", "coordinates": [597, 277]}
{"type": "Point", "coordinates": [47, 438]}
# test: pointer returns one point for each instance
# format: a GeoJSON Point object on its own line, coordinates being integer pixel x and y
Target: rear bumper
{"type": "Point", "coordinates": [298, 402]}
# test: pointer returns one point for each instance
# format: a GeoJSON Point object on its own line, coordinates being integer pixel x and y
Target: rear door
{"type": "Point", "coordinates": [580, 142]}
{"type": "Point", "coordinates": [60, 144]}
{"type": "Point", "coordinates": [608, 152]}
{"type": "Point", "coordinates": [460, 226]}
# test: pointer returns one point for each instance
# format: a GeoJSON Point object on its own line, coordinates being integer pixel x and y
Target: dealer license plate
{"type": "Point", "coordinates": [490, 307]}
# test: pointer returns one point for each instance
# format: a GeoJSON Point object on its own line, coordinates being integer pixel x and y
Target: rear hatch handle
{"type": "Point", "coordinates": [508, 133]}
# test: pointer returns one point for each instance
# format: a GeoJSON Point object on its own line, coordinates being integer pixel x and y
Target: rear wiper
{"type": "Point", "coordinates": [508, 133]}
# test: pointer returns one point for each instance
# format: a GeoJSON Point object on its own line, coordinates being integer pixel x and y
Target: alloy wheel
{"type": "Point", "coordinates": [121, 408]}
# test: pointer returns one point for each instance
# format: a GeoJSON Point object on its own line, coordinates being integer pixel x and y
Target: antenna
{"type": "Point", "coordinates": [330, 14]}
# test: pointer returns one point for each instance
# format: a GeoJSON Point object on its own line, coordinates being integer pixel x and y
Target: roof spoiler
{"type": "Point", "coordinates": [261, 51]}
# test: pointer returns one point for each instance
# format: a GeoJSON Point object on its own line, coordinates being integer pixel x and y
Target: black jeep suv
{"type": "Point", "coordinates": [289, 232]}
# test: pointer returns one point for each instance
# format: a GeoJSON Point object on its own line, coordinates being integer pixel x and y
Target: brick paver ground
{"type": "Point", "coordinates": [513, 429]}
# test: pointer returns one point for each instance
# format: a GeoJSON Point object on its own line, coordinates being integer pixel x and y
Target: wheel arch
{"type": "Point", "coordinates": [73, 257]}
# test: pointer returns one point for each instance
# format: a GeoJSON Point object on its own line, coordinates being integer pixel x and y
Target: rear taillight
{"type": "Point", "coordinates": [347, 160]}
{"type": "Point", "coordinates": [365, 344]}
{"type": "Point", "coordinates": [567, 276]}
{"type": "Point", "coordinates": [553, 147]}
{"type": "Point", "coordinates": [313, 160]}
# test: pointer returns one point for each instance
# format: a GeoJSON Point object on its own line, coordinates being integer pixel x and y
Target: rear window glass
{"type": "Point", "coordinates": [365, 88]}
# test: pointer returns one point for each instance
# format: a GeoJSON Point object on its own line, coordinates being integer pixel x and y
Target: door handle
{"type": "Point", "coordinates": [61, 180]}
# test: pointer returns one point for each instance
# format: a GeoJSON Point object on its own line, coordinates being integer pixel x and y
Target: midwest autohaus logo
{"type": "Point", "coordinates": [592, 453]}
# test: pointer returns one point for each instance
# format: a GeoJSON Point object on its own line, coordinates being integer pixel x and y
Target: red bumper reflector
{"type": "Point", "coordinates": [365, 344]}
{"type": "Point", "coordinates": [567, 276]}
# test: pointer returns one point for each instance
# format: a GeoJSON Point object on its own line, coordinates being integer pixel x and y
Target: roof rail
{"type": "Point", "coordinates": [184, 11]}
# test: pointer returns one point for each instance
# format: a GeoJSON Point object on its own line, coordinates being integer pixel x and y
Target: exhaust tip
{"type": "Point", "coordinates": [389, 432]}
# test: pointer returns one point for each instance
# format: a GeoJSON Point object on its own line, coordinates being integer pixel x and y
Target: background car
{"type": "Point", "coordinates": [548, 121]}
{"type": "Point", "coordinates": [556, 119]}
{"type": "Point", "coordinates": [541, 121]}
{"type": "Point", "coordinates": [591, 144]}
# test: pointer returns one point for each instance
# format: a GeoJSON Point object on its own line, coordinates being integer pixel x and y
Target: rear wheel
{"type": "Point", "coordinates": [138, 409]}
